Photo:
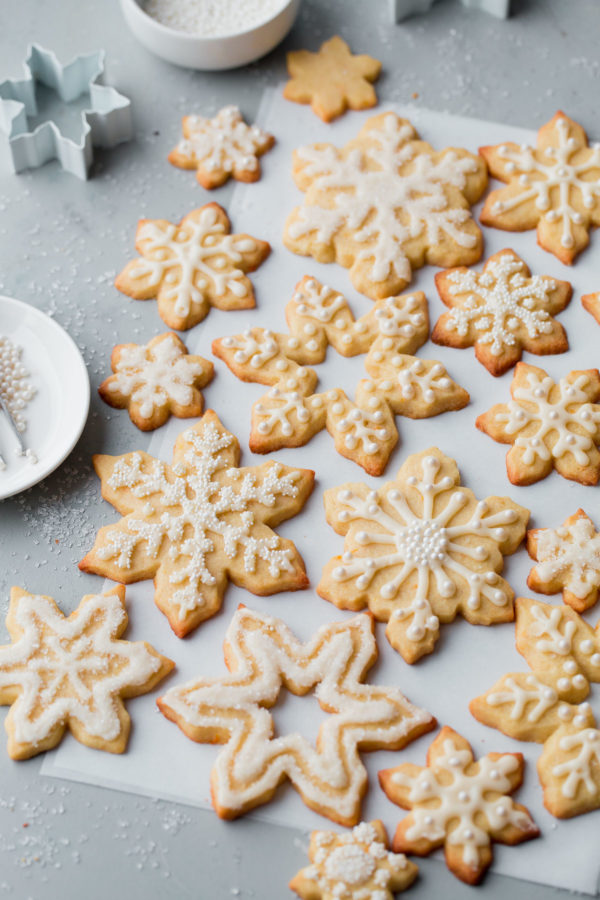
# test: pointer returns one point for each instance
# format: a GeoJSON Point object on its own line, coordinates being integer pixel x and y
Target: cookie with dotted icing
{"type": "Point", "coordinates": [364, 430]}
{"type": "Point", "coordinates": [459, 803]}
{"type": "Point", "coordinates": [568, 560]}
{"type": "Point", "coordinates": [262, 656]}
{"type": "Point", "coordinates": [196, 524]}
{"type": "Point", "coordinates": [156, 380]}
{"type": "Point", "coordinates": [192, 266]}
{"type": "Point", "coordinates": [501, 311]}
{"type": "Point", "coordinates": [72, 672]}
{"type": "Point", "coordinates": [221, 148]}
{"type": "Point", "coordinates": [332, 80]}
{"type": "Point", "coordinates": [384, 204]}
{"type": "Point", "coordinates": [549, 424]}
{"type": "Point", "coordinates": [354, 864]}
{"type": "Point", "coordinates": [553, 187]}
{"type": "Point", "coordinates": [421, 550]}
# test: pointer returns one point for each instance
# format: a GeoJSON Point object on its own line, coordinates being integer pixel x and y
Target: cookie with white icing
{"type": "Point", "coordinates": [550, 424]}
{"type": "Point", "coordinates": [72, 672]}
{"type": "Point", "coordinates": [501, 311]}
{"type": "Point", "coordinates": [353, 864]}
{"type": "Point", "coordinates": [221, 147]}
{"type": "Point", "coordinates": [421, 550]}
{"type": "Point", "coordinates": [156, 380]}
{"type": "Point", "coordinates": [192, 266]}
{"type": "Point", "coordinates": [263, 656]}
{"type": "Point", "coordinates": [459, 803]}
{"type": "Point", "coordinates": [384, 204]}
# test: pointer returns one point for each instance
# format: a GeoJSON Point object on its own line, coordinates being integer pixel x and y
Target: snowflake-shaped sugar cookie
{"type": "Point", "coordinates": [263, 655]}
{"type": "Point", "coordinates": [156, 380]}
{"type": "Point", "coordinates": [221, 148]}
{"type": "Point", "coordinates": [459, 803]}
{"type": "Point", "coordinates": [356, 865]}
{"type": "Point", "coordinates": [385, 204]}
{"type": "Point", "coordinates": [421, 550]}
{"type": "Point", "coordinates": [199, 522]}
{"type": "Point", "coordinates": [192, 266]}
{"type": "Point", "coordinates": [549, 704]}
{"type": "Point", "coordinates": [554, 187]}
{"type": "Point", "coordinates": [550, 425]}
{"type": "Point", "coordinates": [332, 80]}
{"type": "Point", "coordinates": [568, 560]}
{"type": "Point", "coordinates": [72, 672]}
{"type": "Point", "coordinates": [501, 311]}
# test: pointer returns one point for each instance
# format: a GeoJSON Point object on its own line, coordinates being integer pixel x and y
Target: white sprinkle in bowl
{"type": "Point", "coordinates": [212, 52]}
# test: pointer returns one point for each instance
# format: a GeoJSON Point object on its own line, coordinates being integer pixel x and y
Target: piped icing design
{"type": "Point", "coordinates": [384, 204]}
{"type": "Point", "coordinates": [72, 672]}
{"type": "Point", "coordinates": [262, 656]}
{"type": "Point", "coordinates": [421, 550]}
{"type": "Point", "coordinates": [199, 522]}
{"type": "Point", "coordinates": [192, 266]}
{"type": "Point", "coordinates": [459, 803]}
{"type": "Point", "coordinates": [364, 430]}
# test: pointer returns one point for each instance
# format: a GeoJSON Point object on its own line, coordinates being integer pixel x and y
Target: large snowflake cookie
{"type": "Point", "coordinates": [72, 672]}
{"type": "Point", "coordinates": [501, 311]}
{"type": "Point", "coordinates": [568, 560]}
{"type": "Point", "coordinates": [548, 705]}
{"type": "Point", "coordinates": [194, 525]}
{"type": "Point", "coordinates": [459, 803]}
{"type": "Point", "coordinates": [385, 204]}
{"type": "Point", "coordinates": [156, 380]}
{"type": "Point", "coordinates": [550, 425]}
{"type": "Point", "coordinates": [364, 430]}
{"type": "Point", "coordinates": [221, 148]}
{"type": "Point", "coordinates": [420, 550]}
{"type": "Point", "coordinates": [192, 266]}
{"type": "Point", "coordinates": [554, 187]}
{"type": "Point", "coordinates": [332, 80]}
{"type": "Point", "coordinates": [262, 656]}
{"type": "Point", "coordinates": [356, 865]}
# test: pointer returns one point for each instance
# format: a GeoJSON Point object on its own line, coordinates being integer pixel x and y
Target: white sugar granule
{"type": "Point", "coordinates": [212, 18]}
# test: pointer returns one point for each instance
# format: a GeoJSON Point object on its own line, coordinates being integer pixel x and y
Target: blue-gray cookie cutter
{"type": "Point", "coordinates": [106, 123]}
{"type": "Point", "coordinates": [402, 9]}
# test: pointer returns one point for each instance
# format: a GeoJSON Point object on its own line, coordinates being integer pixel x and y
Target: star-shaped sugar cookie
{"type": "Point", "coordinates": [460, 804]}
{"type": "Point", "coordinates": [156, 380]}
{"type": "Point", "coordinates": [554, 187]}
{"type": "Point", "coordinates": [192, 266]}
{"type": "Point", "coordinates": [263, 656]}
{"type": "Point", "coordinates": [332, 80]}
{"type": "Point", "coordinates": [355, 865]}
{"type": "Point", "coordinates": [550, 425]}
{"type": "Point", "coordinates": [72, 672]}
{"type": "Point", "coordinates": [501, 311]}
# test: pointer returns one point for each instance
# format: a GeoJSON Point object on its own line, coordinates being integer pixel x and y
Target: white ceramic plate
{"type": "Point", "coordinates": [58, 412]}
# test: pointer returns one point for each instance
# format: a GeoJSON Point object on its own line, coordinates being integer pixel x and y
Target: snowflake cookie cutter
{"type": "Point", "coordinates": [403, 9]}
{"type": "Point", "coordinates": [106, 123]}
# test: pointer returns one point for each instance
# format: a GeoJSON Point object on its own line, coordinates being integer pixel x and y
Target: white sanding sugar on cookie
{"type": "Point", "coordinates": [212, 18]}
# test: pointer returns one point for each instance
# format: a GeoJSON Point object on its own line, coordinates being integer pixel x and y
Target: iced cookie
{"type": "Point", "coordinates": [221, 148]}
{"type": "Point", "coordinates": [332, 80]}
{"type": "Point", "coordinates": [501, 311]}
{"type": "Point", "coordinates": [263, 656]}
{"type": "Point", "coordinates": [459, 803]}
{"type": "Point", "coordinates": [72, 672]}
{"type": "Point", "coordinates": [550, 425]}
{"type": "Point", "coordinates": [421, 550]}
{"type": "Point", "coordinates": [196, 524]}
{"type": "Point", "coordinates": [554, 187]}
{"type": "Point", "coordinates": [156, 380]}
{"type": "Point", "coordinates": [385, 204]}
{"type": "Point", "coordinates": [354, 864]}
{"type": "Point", "coordinates": [192, 266]}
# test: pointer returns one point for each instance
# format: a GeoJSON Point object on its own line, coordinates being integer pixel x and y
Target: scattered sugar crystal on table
{"type": "Point", "coordinates": [212, 18]}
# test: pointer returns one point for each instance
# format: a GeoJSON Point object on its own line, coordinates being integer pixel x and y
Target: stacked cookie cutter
{"type": "Point", "coordinates": [106, 123]}
{"type": "Point", "coordinates": [402, 9]}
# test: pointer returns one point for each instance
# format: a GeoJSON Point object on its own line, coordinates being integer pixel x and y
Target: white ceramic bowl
{"type": "Point", "coordinates": [197, 52]}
